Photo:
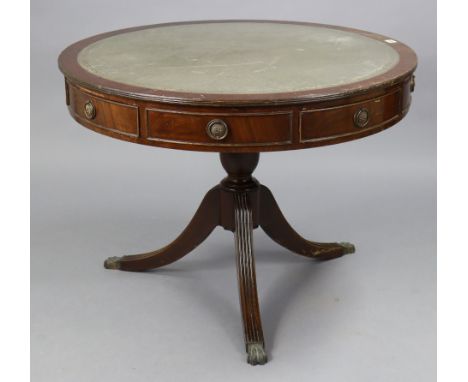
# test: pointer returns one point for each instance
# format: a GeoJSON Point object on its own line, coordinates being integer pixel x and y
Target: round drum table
{"type": "Point", "coordinates": [238, 88]}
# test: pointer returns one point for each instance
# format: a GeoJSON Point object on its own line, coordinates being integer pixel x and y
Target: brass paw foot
{"type": "Point", "coordinates": [112, 263]}
{"type": "Point", "coordinates": [348, 247]}
{"type": "Point", "coordinates": [333, 251]}
{"type": "Point", "coordinates": [256, 354]}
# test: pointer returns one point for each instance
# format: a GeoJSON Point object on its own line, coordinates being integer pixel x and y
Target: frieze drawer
{"type": "Point", "coordinates": [98, 113]}
{"type": "Point", "coordinates": [341, 121]}
{"type": "Point", "coordinates": [237, 129]}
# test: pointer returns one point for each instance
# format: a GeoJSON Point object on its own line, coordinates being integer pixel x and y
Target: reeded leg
{"type": "Point", "coordinates": [253, 333]}
{"type": "Point", "coordinates": [202, 224]}
{"type": "Point", "coordinates": [277, 228]}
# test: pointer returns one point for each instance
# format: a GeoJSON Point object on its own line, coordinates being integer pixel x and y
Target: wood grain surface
{"type": "Point", "coordinates": [255, 122]}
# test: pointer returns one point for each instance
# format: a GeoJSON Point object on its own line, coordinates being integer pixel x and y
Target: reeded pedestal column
{"type": "Point", "coordinates": [239, 204]}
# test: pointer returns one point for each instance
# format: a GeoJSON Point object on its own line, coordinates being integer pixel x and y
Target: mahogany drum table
{"type": "Point", "coordinates": [238, 88]}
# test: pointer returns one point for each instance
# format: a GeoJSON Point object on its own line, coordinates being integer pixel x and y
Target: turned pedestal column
{"type": "Point", "coordinates": [239, 204]}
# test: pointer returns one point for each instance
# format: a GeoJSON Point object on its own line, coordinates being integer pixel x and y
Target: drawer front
{"type": "Point", "coordinates": [341, 121]}
{"type": "Point", "coordinates": [219, 129]}
{"type": "Point", "coordinates": [103, 114]}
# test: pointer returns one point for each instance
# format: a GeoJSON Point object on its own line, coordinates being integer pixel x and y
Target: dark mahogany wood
{"type": "Point", "coordinates": [253, 123]}
{"type": "Point", "coordinates": [256, 122]}
{"type": "Point", "coordinates": [70, 67]}
{"type": "Point", "coordinates": [253, 333]}
{"type": "Point", "coordinates": [261, 128]}
{"type": "Point", "coordinates": [251, 128]}
{"type": "Point", "coordinates": [206, 219]}
{"type": "Point", "coordinates": [277, 228]}
{"type": "Point", "coordinates": [238, 204]}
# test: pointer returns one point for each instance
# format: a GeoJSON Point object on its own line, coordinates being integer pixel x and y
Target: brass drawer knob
{"type": "Point", "coordinates": [412, 83]}
{"type": "Point", "coordinates": [89, 110]}
{"type": "Point", "coordinates": [361, 117]}
{"type": "Point", "coordinates": [217, 129]}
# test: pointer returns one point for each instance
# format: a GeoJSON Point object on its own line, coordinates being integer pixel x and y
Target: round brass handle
{"type": "Point", "coordinates": [217, 129]}
{"type": "Point", "coordinates": [412, 83]}
{"type": "Point", "coordinates": [361, 117]}
{"type": "Point", "coordinates": [89, 110]}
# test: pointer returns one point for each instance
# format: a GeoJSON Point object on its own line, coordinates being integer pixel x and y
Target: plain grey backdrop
{"type": "Point", "coordinates": [370, 316]}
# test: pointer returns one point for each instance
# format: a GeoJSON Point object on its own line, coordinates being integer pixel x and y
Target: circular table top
{"type": "Point", "coordinates": [237, 62]}
{"type": "Point", "coordinates": [238, 86]}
